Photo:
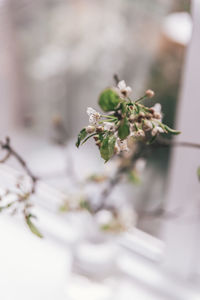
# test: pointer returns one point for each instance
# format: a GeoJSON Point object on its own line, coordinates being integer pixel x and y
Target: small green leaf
{"type": "Point", "coordinates": [107, 147]}
{"type": "Point", "coordinates": [93, 134]}
{"type": "Point", "coordinates": [172, 131]}
{"type": "Point", "coordinates": [123, 130]}
{"type": "Point", "coordinates": [108, 100]}
{"type": "Point", "coordinates": [198, 173]}
{"type": "Point", "coordinates": [32, 227]}
{"type": "Point", "coordinates": [82, 134]}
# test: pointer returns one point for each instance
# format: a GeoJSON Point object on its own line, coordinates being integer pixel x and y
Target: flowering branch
{"type": "Point", "coordinates": [129, 130]}
{"type": "Point", "coordinates": [128, 121]}
{"type": "Point", "coordinates": [22, 193]}
{"type": "Point", "coordinates": [126, 129]}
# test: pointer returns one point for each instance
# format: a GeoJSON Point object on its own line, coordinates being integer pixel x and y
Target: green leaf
{"type": "Point", "coordinates": [123, 130]}
{"type": "Point", "coordinates": [93, 134]}
{"type": "Point", "coordinates": [124, 108]}
{"type": "Point", "coordinates": [172, 131]}
{"type": "Point", "coordinates": [107, 147]}
{"type": "Point", "coordinates": [32, 227]}
{"type": "Point", "coordinates": [108, 100]}
{"type": "Point", "coordinates": [82, 134]}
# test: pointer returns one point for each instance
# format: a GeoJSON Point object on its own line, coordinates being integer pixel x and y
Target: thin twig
{"type": "Point", "coordinates": [11, 152]}
{"type": "Point", "coordinates": [116, 79]}
{"type": "Point", "coordinates": [171, 143]}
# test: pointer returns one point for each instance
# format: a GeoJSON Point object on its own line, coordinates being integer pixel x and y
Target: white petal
{"type": "Point", "coordinates": [128, 90]}
{"type": "Point", "coordinates": [108, 125]}
{"type": "Point", "coordinates": [122, 85]}
{"type": "Point", "coordinates": [90, 111]}
{"type": "Point", "coordinates": [122, 145]}
{"type": "Point", "coordinates": [154, 131]}
{"type": "Point", "coordinates": [160, 129]}
{"type": "Point", "coordinates": [157, 107]}
{"type": "Point", "coordinates": [92, 120]}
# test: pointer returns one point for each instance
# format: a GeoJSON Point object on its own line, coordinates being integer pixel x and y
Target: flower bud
{"type": "Point", "coordinates": [142, 114]}
{"type": "Point", "coordinates": [154, 131]}
{"type": "Point", "coordinates": [147, 125]}
{"type": "Point", "coordinates": [98, 143]}
{"type": "Point", "coordinates": [149, 116]}
{"type": "Point", "coordinates": [139, 133]}
{"type": "Point", "coordinates": [157, 115]}
{"type": "Point", "coordinates": [150, 93]}
{"type": "Point", "coordinates": [96, 138]}
{"type": "Point", "coordinates": [116, 150]}
{"type": "Point", "coordinates": [99, 129]}
{"type": "Point", "coordinates": [151, 110]}
{"type": "Point", "coordinates": [132, 118]}
{"type": "Point", "coordinates": [90, 129]}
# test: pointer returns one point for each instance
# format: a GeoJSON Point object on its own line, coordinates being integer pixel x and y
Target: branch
{"type": "Point", "coordinates": [170, 143]}
{"type": "Point", "coordinates": [11, 152]}
{"type": "Point", "coordinates": [116, 79]}
{"type": "Point", "coordinates": [114, 181]}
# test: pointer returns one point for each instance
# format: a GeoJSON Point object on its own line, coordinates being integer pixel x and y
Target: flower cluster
{"type": "Point", "coordinates": [125, 120]}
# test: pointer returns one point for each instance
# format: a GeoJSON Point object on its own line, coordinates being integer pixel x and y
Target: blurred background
{"type": "Point", "coordinates": [56, 57]}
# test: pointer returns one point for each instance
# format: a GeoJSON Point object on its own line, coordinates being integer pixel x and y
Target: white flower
{"type": "Point", "coordinates": [157, 107]}
{"type": "Point", "coordinates": [157, 111]}
{"type": "Point", "coordinates": [124, 90]}
{"type": "Point", "coordinates": [147, 125]}
{"type": "Point", "coordinates": [90, 129]}
{"type": "Point", "coordinates": [108, 126]}
{"type": "Point", "coordinates": [156, 120]}
{"type": "Point", "coordinates": [94, 116]}
{"type": "Point", "coordinates": [156, 129]}
{"type": "Point", "coordinates": [122, 145]}
{"type": "Point", "coordinates": [138, 133]}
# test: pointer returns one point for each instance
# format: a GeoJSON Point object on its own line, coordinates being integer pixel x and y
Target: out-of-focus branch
{"type": "Point", "coordinates": [143, 152]}
{"type": "Point", "coordinates": [140, 153]}
{"type": "Point", "coordinates": [162, 142]}
{"type": "Point", "coordinates": [116, 79]}
{"type": "Point", "coordinates": [22, 197]}
{"type": "Point", "coordinates": [11, 152]}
